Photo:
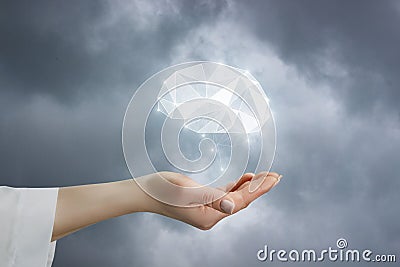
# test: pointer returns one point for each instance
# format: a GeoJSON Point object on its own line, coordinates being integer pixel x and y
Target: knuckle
{"type": "Point", "coordinates": [208, 197]}
{"type": "Point", "coordinates": [243, 203]}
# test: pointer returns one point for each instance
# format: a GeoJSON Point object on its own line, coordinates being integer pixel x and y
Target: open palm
{"type": "Point", "coordinates": [214, 204]}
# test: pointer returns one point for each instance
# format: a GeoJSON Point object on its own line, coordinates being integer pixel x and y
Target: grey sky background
{"type": "Point", "coordinates": [331, 69]}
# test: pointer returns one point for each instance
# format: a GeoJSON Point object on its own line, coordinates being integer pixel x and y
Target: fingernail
{"type": "Point", "coordinates": [227, 206]}
{"type": "Point", "coordinates": [278, 180]}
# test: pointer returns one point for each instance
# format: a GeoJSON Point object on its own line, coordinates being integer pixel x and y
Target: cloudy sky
{"type": "Point", "coordinates": [331, 69]}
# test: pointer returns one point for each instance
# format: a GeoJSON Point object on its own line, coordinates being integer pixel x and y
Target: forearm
{"type": "Point", "coordinates": [81, 206]}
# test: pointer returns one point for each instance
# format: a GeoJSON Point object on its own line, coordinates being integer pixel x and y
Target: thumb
{"type": "Point", "coordinates": [214, 198]}
{"type": "Point", "coordinates": [227, 205]}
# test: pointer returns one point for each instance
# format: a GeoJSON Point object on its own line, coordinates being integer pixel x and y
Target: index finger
{"type": "Point", "coordinates": [243, 197]}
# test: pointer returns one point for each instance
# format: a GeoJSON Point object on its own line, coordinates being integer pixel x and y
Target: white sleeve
{"type": "Point", "coordinates": [26, 226]}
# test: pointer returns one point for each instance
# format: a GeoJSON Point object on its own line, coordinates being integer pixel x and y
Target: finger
{"type": "Point", "coordinates": [232, 186]}
{"type": "Point", "coordinates": [243, 197]}
{"type": "Point", "coordinates": [274, 174]}
{"type": "Point", "coordinates": [256, 180]}
{"type": "Point", "coordinates": [256, 183]}
{"type": "Point", "coordinates": [235, 185]}
{"type": "Point", "coordinates": [212, 197]}
{"type": "Point", "coordinates": [221, 201]}
{"type": "Point", "coordinates": [225, 205]}
{"type": "Point", "coordinates": [247, 177]}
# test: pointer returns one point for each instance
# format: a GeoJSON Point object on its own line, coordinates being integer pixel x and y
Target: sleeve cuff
{"type": "Point", "coordinates": [34, 227]}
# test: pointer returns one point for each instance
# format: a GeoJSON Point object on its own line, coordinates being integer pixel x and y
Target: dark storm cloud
{"type": "Point", "coordinates": [89, 57]}
{"type": "Point", "coordinates": [66, 48]}
{"type": "Point", "coordinates": [351, 46]}
{"type": "Point", "coordinates": [42, 48]}
{"type": "Point", "coordinates": [360, 37]}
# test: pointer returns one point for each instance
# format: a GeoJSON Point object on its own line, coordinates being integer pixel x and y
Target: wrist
{"type": "Point", "coordinates": [135, 199]}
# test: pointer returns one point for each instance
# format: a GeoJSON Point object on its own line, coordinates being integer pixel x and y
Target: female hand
{"type": "Point", "coordinates": [81, 206]}
{"type": "Point", "coordinates": [205, 207]}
